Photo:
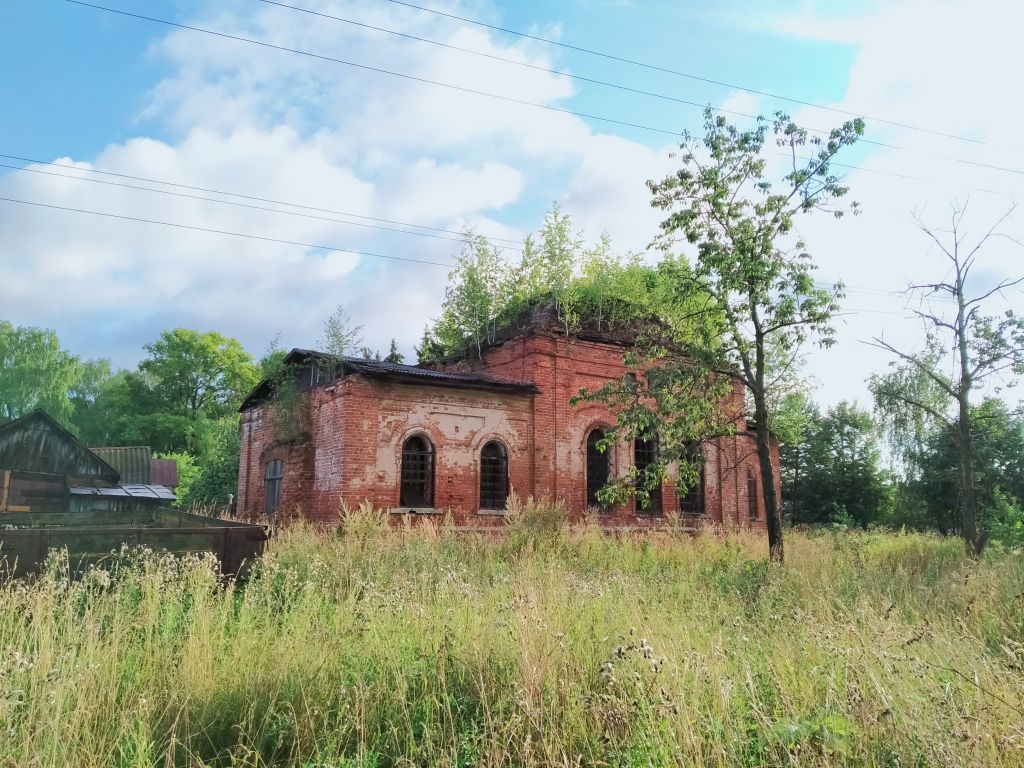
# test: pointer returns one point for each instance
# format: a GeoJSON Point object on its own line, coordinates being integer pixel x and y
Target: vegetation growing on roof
{"type": "Point", "coordinates": [587, 287]}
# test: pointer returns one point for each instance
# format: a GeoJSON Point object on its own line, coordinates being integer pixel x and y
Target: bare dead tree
{"type": "Point", "coordinates": [982, 347]}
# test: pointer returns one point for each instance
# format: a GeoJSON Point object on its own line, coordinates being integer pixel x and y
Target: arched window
{"type": "Point", "coordinates": [272, 487]}
{"type": "Point", "coordinates": [752, 494]}
{"type": "Point", "coordinates": [493, 476]}
{"type": "Point", "coordinates": [598, 468]}
{"type": "Point", "coordinates": [645, 453]}
{"type": "Point", "coordinates": [417, 473]}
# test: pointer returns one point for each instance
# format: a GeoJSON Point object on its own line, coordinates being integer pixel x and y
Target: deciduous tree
{"type": "Point", "coordinates": [751, 280]}
{"type": "Point", "coordinates": [983, 349]}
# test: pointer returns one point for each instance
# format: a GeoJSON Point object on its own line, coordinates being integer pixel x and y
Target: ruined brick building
{"type": "Point", "coordinates": [459, 436]}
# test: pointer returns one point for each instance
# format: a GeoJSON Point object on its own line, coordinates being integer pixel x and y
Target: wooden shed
{"type": "Point", "coordinates": [40, 462]}
{"type": "Point", "coordinates": [57, 494]}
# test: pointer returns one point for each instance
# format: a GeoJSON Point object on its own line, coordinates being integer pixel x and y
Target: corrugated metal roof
{"type": "Point", "coordinates": [127, 491]}
{"type": "Point", "coordinates": [133, 462]}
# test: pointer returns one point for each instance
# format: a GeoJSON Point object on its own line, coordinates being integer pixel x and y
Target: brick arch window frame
{"type": "Point", "coordinates": [495, 479]}
{"type": "Point", "coordinates": [416, 474]}
{"type": "Point", "coordinates": [273, 479]}
{"type": "Point", "coordinates": [597, 465]}
{"type": "Point", "coordinates": [752, 503]}
{"type": "Point", "coordinates": [645, 453]}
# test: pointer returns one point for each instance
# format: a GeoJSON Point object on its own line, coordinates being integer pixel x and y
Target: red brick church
{"type": "Point", "coordinates": [458, 437]}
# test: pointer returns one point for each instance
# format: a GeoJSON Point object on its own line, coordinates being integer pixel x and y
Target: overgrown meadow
{"type": "Point", "coordinates": [549, 646]}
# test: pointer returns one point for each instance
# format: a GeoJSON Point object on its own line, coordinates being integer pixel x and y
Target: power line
{"type": "Point", "coordinates": [504, 59]}
{"type": "Point", "coordinates": [229, 233]}
{"type": "Point", "coordinates": [244, 197]}
{"type": "Point", "coordinates": [516, 248]}
{"type": "Point", "coordinates": [232, 202]}
{"type": "Point", "coordinates": [688, 75]}
{"type": "Point", "coordinates": [321, 247]}
{"type": "Point", "coordinates": [487, 94]}
{"type": "Point", "coordinates": [379, 70]}
{"type": "Point", "coordinates": [618, 86]}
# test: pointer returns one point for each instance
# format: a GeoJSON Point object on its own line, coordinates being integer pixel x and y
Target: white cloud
{"type": "Point", "coordinates": [280, 126]}
{"type": "Point", "coordinates": [938, 65]}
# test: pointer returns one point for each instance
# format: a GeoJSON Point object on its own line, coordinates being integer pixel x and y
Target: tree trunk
{"type": "Point", "coordinates": [968, 499]}
{"type": "Point", "coordinates": [771, 500]}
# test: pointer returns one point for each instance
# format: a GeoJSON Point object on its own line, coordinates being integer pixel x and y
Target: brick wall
{"type": "Point", "coordinates": [358, 426]}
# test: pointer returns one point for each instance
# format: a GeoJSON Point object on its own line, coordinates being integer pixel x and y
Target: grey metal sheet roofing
{"type": "Point", "coordinates": [127, 491]}
{"type": "Point", "coordinates": [429, 374]}
{"type": "Point", "coordinates": [396, 371]}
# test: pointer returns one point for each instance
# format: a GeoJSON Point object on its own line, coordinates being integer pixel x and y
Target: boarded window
{"type": "Point", "coordinates": [645, 454]}
{"type": "Point", "coordinates": [417, 473]}
{"type": "Point", "coordinates": [493, 476]}
{"type": "Point", "coordinates": [272, 487]}
{"type": "Point", "coordinates": [752, 494]}
{"type": "Point", "coordinates": [598, 468]}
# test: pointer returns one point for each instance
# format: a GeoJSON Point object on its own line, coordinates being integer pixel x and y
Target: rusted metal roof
{"type": "Point", "coordinates": [164, 472]}
{"type": "Point", "coordinates": [37, 443]}
{"type": "Point", "coordinates": [394, 371]}
{"type": "Point", "coordinates": [133, 463]}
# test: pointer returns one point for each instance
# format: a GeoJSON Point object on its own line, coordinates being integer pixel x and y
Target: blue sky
{"type": "Point", "coordinates": [129, 96]}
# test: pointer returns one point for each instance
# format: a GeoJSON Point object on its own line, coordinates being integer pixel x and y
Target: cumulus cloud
{"type": "Point", "coordinates": [279, 126]}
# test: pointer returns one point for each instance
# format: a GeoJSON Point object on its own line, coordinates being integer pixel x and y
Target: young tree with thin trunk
{"type": "Point", "coordinates": [750, 273]}
{"type": "Point", "coordinates": [983, 349]}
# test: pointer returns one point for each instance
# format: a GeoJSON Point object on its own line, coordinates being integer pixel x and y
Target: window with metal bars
{"type": "Point", "coordinates": [598, 469]}
{"type": "Point", "coordinates": [272, 487]}
{"type": "Point", "coordinates": [645, 453]}
{"type": "Point", "coordinates": [493, 476]}
{"type": "Point", "coordinates": [752, 494]}
{"type": "Point", "coordinates": [417, 473]}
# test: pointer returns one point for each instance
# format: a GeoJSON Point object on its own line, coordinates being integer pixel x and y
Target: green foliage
{"type": "Point", "coordinates": [380, 647]}
{"type": "Point", "coordinates": [591, 287]}
{"type": "Point", "coordinates": [930, 497]}
{"type": "Point", "coordinates": [833, 474]}
{"type": "Point", "coordinates": [216, 455]}
{"type": "Point", "coordinates": [198, 374]}
{"type": "Point", "coordinates": [340, 336]}
{"type": "Point", "coordinates": [189, 472]}
{"type": "Point", "coordinates": [394, 356]}
{"type": "Point", "coordinates": [36, 373]}
{"type": "Point", "coordinates": [750, 297]}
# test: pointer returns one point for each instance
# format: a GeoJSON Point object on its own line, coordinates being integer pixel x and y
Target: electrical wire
{"type": "Point", "coordinates": [244, 197]}
{"type": "Point", "coordinates": [620, 86]}
{"type": "Point", "coordinates": [229, 233]}
{"type": "Point", "coordinates": [234, 203]}
{"type": "Point", "coordinates": [487, 94]}
{"type": "Point", "coordinates": [688, 75]}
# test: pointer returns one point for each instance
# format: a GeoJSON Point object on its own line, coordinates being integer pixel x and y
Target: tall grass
{"type": "Point", "coordinates": [552, 646]}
